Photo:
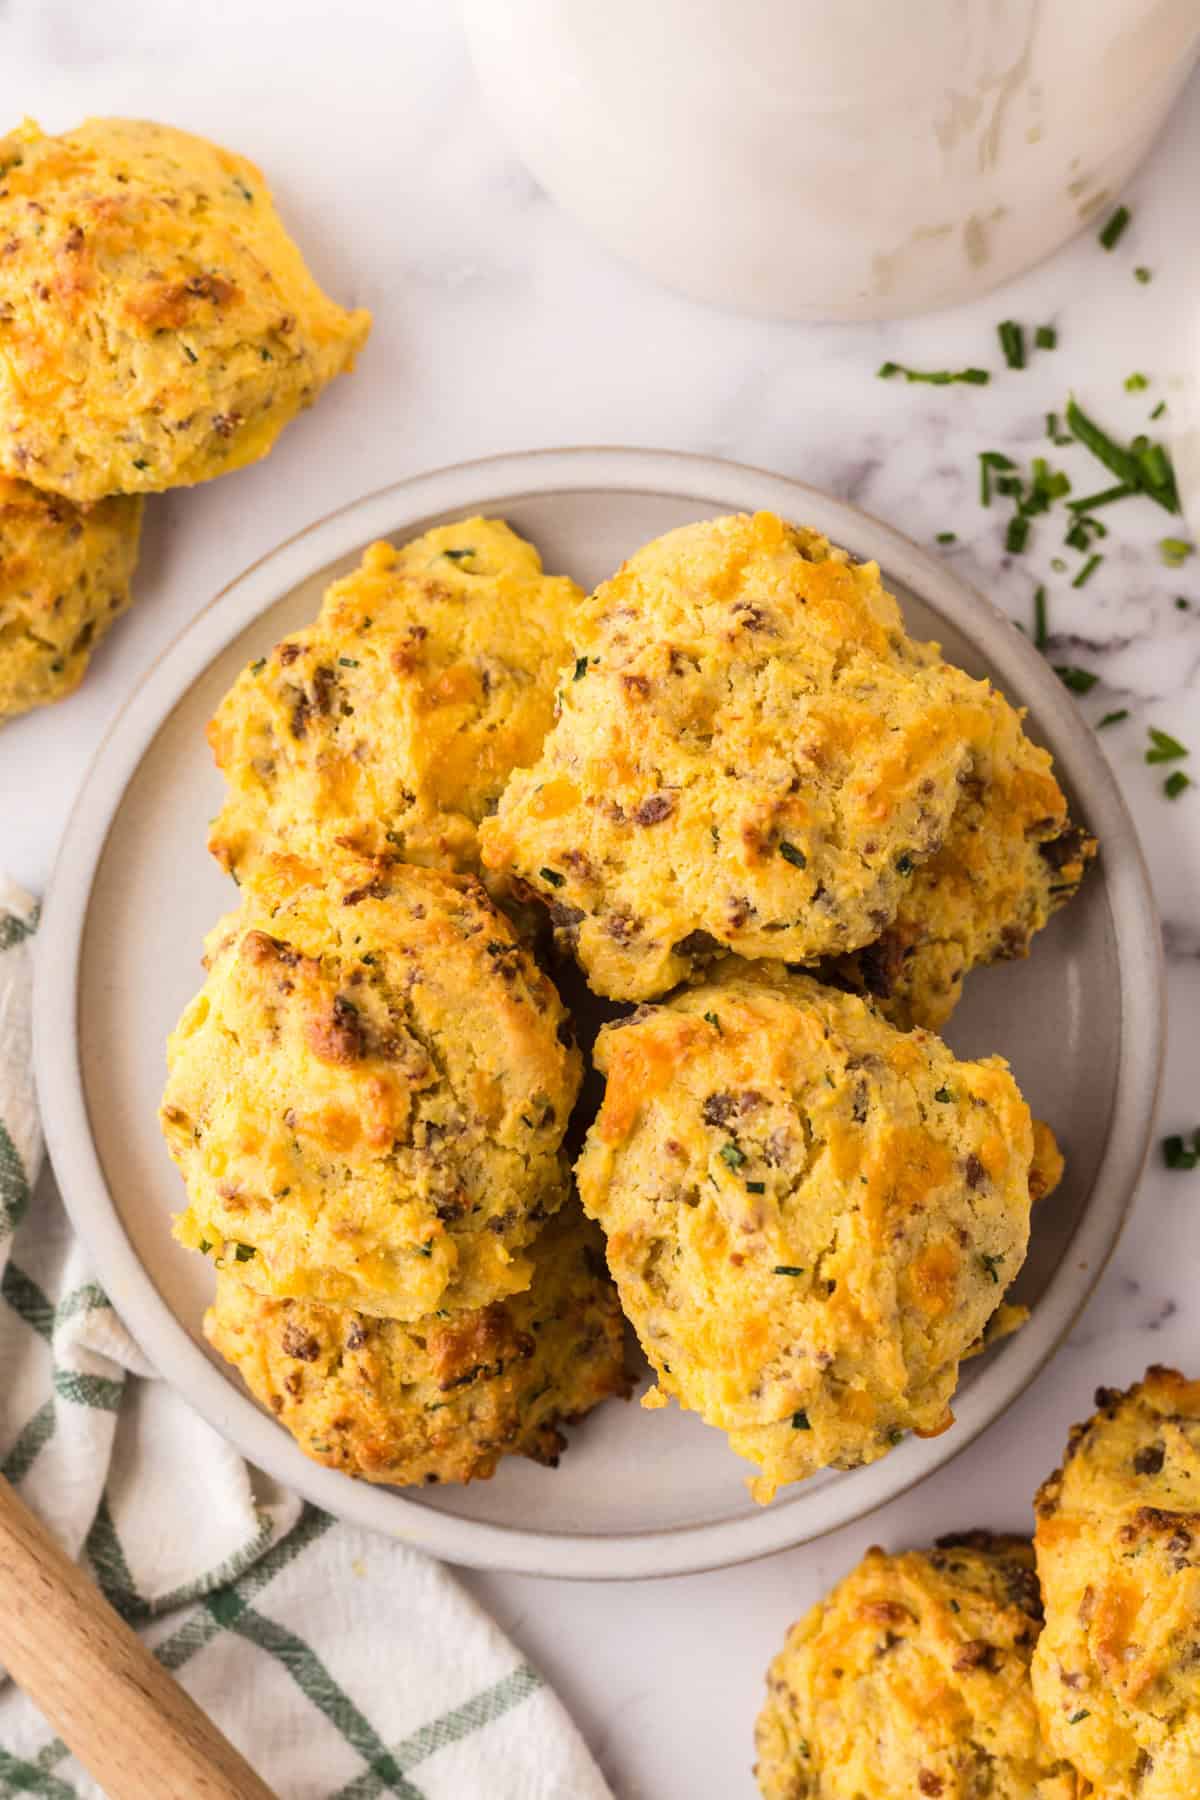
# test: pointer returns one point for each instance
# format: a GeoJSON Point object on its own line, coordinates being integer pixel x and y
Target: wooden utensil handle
{"type": "Point", "coordinates": [130, 1725]}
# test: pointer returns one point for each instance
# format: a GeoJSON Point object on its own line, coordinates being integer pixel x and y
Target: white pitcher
{"type": "Point", "coordinates": [833, 159]}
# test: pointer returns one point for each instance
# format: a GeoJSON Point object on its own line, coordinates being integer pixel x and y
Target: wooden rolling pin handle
{"type": "Point", "coordinates": [130, 1725]}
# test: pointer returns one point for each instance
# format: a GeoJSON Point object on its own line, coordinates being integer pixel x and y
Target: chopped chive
{"type": "Point", "coordinates": [710, 1018]}
{"type": "Point", "coordinates": [1046, 338]}
{"type": "Point", "coordinates": [1075, 1717]}
{"type": "Point", "coordinates": [1012, 342]}
{"type": "Point", "coordinates": [800, 1422]}
{"type": "Point", "coordinates": [1051, 425]}
{"type": "Point", "coordinates": [204, 1246]}
{"type": "Point", "coordinates": [1175, 783]}
{"type": "Point", "coordinates": [1080, 681]}
{"type": "Point", "coordinates": [581, 667]}
{"type": "Point", "coordinates": [1088, 570]}
{"type": "Point", "coordinates": [935, 377]}
{"type": "Point", "coordinates": [348, 662]}
{"type": "Point", "coordinates": [1017, 534]}
{"type": "Point", "coordinates": [1058, 564]}
{"type": "Point", "coordinates": [947, 537]}
{"type": "Point", "coordinates": [1142, 274]}
{"type": "Point", "coordinates": [1105, 497]}
{"type": "Point", "coordinates": [756, 1187]}
{"type": "Point", "coordinates": [552, 876]}
{"type": "Point", "coordinates": [991, 1263]}
{"type": "Point", "coordinates": [989, 460]}
{"type": "Point", "coordinates": [1111, 234]}
{"type": "Point", "coordinates": [790, 853]}
{"type": "Point", "coordinates": [244, 1252]}
{"type": "Point", "coordinates": [1176, 1154]}
{"type": "Point", "coordinates": [1112, 718]}
{"type": "Point", "coordinates": [944, 1095]}
{"type": "Point", "coordinates": [458, 555]}
{"type": "Point", "coordinates": [904, 863]}
{"type": "Point", "coordinates": [1163, 747]}
{"type": "Point", "coordinates": [139, 462]}
{"type": "Point", "coordinates": [886, 370]}
{"type": "Point", "coordinates": [1102, 447]}
{"type": "Point", "coordinates": [1040, 634]}
{"type": "Point", "coordinates": [1009, 486]}
{"type": "Point", "coordinates": [731, 1155]}
{"type": "Point", "coordinates": [1143, 466]}
{"type": "Point", "coordinates": [189, 352]}
{"type": "Point", "coordinates": [1175, 551]}
{"type": "Point", "coordinates": [1135, 383]}
{"type": "Point", "coordinates": [1181, 605]}
{"type": "Point", "coordinates": [259, 663]}
{"type": "Point", "coordinates": [786, 1269]}
{"type": "Point", "coordinates": [1159, 410]}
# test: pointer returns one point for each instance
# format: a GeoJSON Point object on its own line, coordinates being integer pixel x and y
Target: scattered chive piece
{"type": "Point", "coordinates": [1163, 747]}
{"type": "Point", "coordinates": [204, 1246]}
{"type": "Point", "coordinates": [1009, 486]}
{"type": "Point", "coordinates": [1175, 783]}
{"type": "Point", "coordinates": [1040, 635]}
{"type": "Point", "coordinates": [1181, 605]}
{"type": "Point", "coordinates": [714, 1021]}
{"type": "Point", "coordinates": [1075, 1717]}
{"type": "Point", "coordinates": [989, 460]}
{"type": "Point", "coordinates": [1052, 425]}
{"type": "Point", "coordinates": [244, 1252]}
{"type": "Point", "coordinates": [189, 353]}
{"type": "Point", "coordinates": [1176, 1154]}
{"type": "Point", "coordinates": [935, 377]}
{"type": "Point", "coordinates": [991, 1263]}
{"type": "Point", "coordinates": [791, 854]}
{"type": "Point", "coordinates": [944, 1095]}
{"type": "Point", "coordinates": [800, 1422]}
{"type": "Point", "coordinates": [756, 1187]}
{"type": "Point", "coordinates": [1105, 497]}
{"type": "Point", "coordinates": [1135, 383]}
{"type": "Point", "coordinates": [1088, 570]}
{"type": "Point", "coordinates": [458, 555]}
{"type": "Point", "coordinates": [1159, 410]}
{"type": "Point", "coordinates": [786, 1269]}
{"type": "Point", "coordinates": [552, 876]}
{"type": "Point", "coordinates": [139, 462]}
{"type": "Point", "coordinates": [1080, 681]}
{"type": "Point", "coordinates": [732, 1155]}
{"type": "Point", "coordinates": [1058, 564]}
{"type": "Point", "coordinates": [1017, 534]}
{"type": "Point", "coordinates": [1143, 466]}
{"type": "Point", "coordinates": [1012, 342]}
{"type": "Point", "coordinates": [1046, 337]}
{"type": "Point", "coordinates": [1113, 718]}
{"type": "Point", "coordinates": [947, 537]}
{"type": "Point", "coordinates": [581, 663]}
{"type": "Point", "coordinates": [1175, 551]}
{"type": "Point", "coordinates": [1111, 233]}
{"type": "Point", "coordinates": [348, 662]}
{"type": "Point", "coordinates": [1142, 274]}
{"type": "Point", "coordinates": [904, 863]}
{"type": "Point", "coordinates": [259, 663]}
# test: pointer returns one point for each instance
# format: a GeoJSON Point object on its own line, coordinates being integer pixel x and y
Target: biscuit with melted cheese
{"type": "Point", "coordinates": [811, 1216]}
{"type": "Point", "coordinates": [157, 324]}
{"type": "Point", "coordinates": [911, 1678]}
{"type": "Point", "coordinates": [64, 577]}
{"type": "Point", "coordinates": [1116, 1673]}
{"type": "Point", "coordinates": [752, 756]}
{"type": "Point", "coordinates": [368, 1096]}
{"type": "Point", "coordinates": [395, 720]}
{"type": "Point", "coordinates": [443, 1398]}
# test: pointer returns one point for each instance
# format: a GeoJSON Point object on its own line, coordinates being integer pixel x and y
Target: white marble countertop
{"type": "Point", "coordinates": [500, 326]}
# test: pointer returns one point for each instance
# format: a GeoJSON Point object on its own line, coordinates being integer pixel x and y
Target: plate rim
{"type": "Point", "coordinates": [477, 485]}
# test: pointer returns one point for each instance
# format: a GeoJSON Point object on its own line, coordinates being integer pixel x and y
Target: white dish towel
{"type": "Point", "coordinates": [343, 1666]}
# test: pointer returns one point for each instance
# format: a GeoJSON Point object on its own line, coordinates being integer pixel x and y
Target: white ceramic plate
{"type": "Point", "coordinates": [638, 1493]}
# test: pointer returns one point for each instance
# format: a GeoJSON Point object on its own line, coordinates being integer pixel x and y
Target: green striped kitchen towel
{"type": "Point", "coordinates": [339, 1663]}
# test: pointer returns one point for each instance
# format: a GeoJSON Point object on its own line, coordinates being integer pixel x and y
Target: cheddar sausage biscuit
{"type": "Point", "coordinates": [64, 578]}
{"type": "Point", "coordinates": [912, 1678]}
{"type": "Point", "coordinates": [444, 1398]}
{"type": "Point", "coordinates": [1116, 1674]}
{"type": "Point", "coordinates": [811, 1216]}
{"type": "Point", "coordinates": [396, 719]}
{"type": "Point", "coordinates": [1011, 857]}
{"type": "Point", "coordinates": [367, 1098]}
{"type": "Point", "coordinates": [157, 324]}
{"type": "Point", "coordinates": [752, 755]}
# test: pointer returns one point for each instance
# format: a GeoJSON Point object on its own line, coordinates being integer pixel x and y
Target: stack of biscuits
{"type": "Point", "coordinates": [157, 327]}
{"type": "Point", "coordinates": [1056, 1670]}
{"type": "Point", "coordinates": [726, 804]}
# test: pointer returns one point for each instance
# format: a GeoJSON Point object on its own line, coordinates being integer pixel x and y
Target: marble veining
{"type": "Point", "coordinates": [500, 326]}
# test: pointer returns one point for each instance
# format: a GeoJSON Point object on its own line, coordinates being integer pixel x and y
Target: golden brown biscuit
{"type": "Point", "coordinates": [445, 1398]}
{"type": "Point", "coordinates": [64, 578]}
{"type": "Point", "coordinates": [396, 719]}
{"type": "Point", "coordinates": [1116, 1674]}
{"type": "Point", "coordinates": [752, 756]}
{"type": "Point", "coordinates": [811, 1216]}
{"type": "Point", "coordinates": [1010, 859]}
{"type": "Point", "coordinates": [367, 1098]}
{"type": "Point", "coordinates": [912, 1679]}
{"type": "Point", "coordinates": [157, 324]}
